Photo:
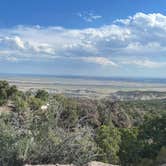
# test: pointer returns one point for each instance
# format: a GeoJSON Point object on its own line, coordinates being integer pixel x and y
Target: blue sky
{"type": "Point", "coordinates": [83, 37]}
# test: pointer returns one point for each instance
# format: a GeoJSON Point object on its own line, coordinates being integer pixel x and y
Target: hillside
{"type": "Point", "coordinates": [42, 128]}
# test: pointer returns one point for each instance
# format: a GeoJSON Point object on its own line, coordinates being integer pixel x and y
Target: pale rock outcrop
{"type": "Point", "coordinates": [44, 107]}
{"type": "Point", "coordinates": [95, 163]}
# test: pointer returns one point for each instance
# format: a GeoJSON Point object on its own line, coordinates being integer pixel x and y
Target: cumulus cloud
{"type": "Point", "coordinates": [142, 36]}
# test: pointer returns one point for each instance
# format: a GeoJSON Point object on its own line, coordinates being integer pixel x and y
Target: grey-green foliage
{"type": "Point", "coordinates": [161, 157]}
{"type": "Point", "coordinates": [80, 130]}
{"type": "Point", "coordinates": [6, 92]}
{"type": "Point", "coordinates": [42, 94]}
{"type": "Point", "coordinates": [45, 141]}
{"type": "Point", "coordinates": [8, 145]}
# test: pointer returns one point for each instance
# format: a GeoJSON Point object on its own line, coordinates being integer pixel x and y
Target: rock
{"type": "Point", "coordinates": [95, 163]}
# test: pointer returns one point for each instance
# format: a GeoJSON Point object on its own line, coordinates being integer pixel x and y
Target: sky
{"type": "Point", "coordinates": [107, 38]}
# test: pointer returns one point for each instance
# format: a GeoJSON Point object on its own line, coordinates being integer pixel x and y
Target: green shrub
{"type": "Point", "coordinates": [108, 140]}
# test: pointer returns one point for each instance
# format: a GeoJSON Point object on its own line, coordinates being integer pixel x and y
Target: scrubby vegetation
{"type": "Point", "coordinates": [129, 133]}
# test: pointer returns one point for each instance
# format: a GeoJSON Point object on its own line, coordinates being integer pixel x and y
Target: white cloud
{"type": "Point", "coordinates": [99, 60]}
{"type": "Point", "coordinates": [145, 63]}
{"type": "Point", "coordinates": [13, 41]}
{"type": "Point", "coordinates": [19, 42]}
{"type": "Point", "coordinates": [89, 16]}
{"type": "Point", "coordinates": [142, 36]}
